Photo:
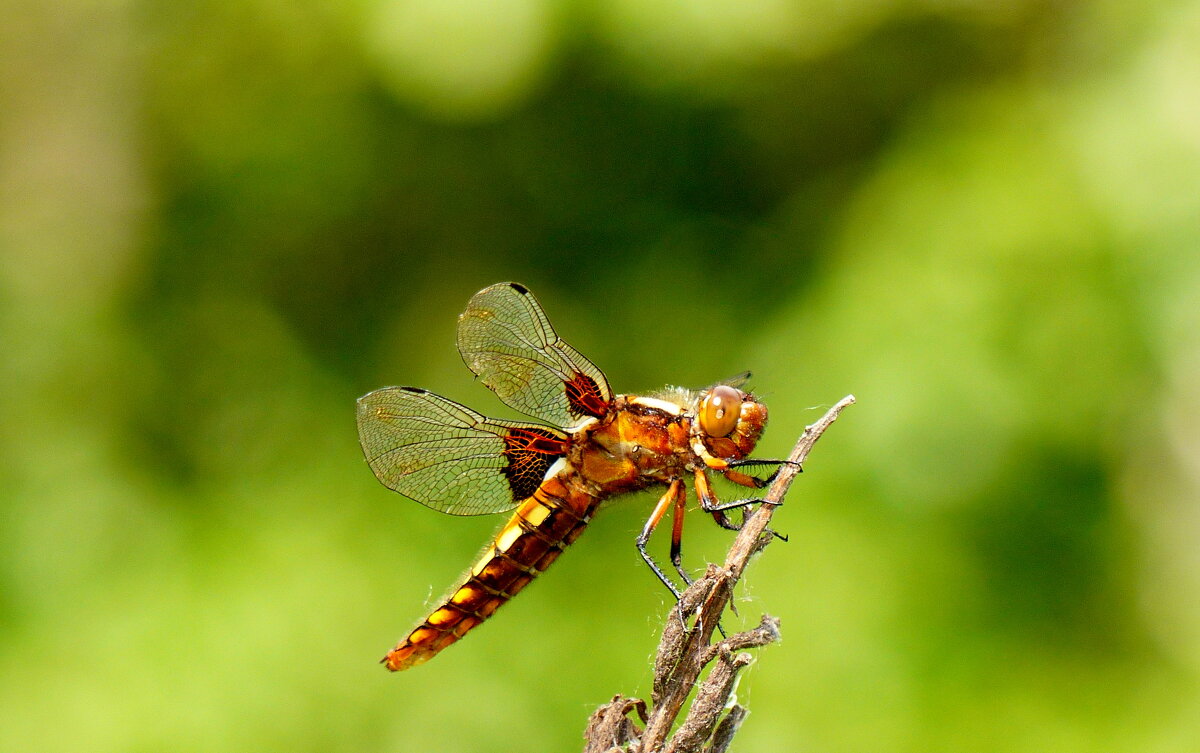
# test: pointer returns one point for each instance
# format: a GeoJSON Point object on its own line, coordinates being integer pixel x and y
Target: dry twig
{"type": "Point", "coordinates": [685, 650]}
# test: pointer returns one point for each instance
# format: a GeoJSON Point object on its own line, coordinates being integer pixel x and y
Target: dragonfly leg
{"type": "Point", "coordinates": [709, 501]}
{"type": "Point", "coordinates": [680, 507]}
{"type": "Point", "coordinates": [710, 504]}
{"type": "Point", "coordinates": [723, 520]}
{"type": "Point", "coordinates": [676, 490]}
{"type": "Point", "coordinates": [754, 482]}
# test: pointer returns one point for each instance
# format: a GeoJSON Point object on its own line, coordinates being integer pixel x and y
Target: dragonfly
{"type": "Point", "coordinates": [587, 446]}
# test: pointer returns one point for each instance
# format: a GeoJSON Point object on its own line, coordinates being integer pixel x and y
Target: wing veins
{"type": "Point", "coordinates": [508, 341]}
{"type": "Point", "coordinates": [432, 463]}
{"type": "Point", "coordinates": [519, 336]}
{"type": "Point", "coordinates": [526, 359]}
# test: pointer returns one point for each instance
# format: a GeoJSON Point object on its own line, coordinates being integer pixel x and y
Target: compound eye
{"type": "Point", "coordinates": [720, 411]}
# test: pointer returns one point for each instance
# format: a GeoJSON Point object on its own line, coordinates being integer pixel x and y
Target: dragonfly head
{"type": "Point", "coordinates": [730, 421]}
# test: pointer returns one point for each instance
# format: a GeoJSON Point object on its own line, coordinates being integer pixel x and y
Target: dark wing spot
{"type": "Point", "coordinates": [584, 397]}
{"type": "Point", "coordinates": [530, 453]}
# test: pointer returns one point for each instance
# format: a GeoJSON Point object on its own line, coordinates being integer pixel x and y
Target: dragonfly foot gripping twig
{"type": "Point", "coordinates": [684, 652]}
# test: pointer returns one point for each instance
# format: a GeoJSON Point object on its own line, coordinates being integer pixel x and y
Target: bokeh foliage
{"type": "Point", "coordinates": [221, 222]}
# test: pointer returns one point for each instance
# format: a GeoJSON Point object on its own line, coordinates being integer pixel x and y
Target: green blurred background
{"type": "Point", "coordinates": [223, 221]}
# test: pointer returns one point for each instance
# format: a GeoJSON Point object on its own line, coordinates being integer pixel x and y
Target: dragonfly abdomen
{"type": "Point", "coordinates": [529, 542]}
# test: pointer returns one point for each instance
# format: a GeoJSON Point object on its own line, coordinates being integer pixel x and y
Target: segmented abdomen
{"type": "Point", "coordinates": [533, 537]}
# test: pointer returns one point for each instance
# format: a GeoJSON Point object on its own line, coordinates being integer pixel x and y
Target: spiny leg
{"type": "Point", "coordinates": [679, 508]}
{"type": "Point", "coordinates": [710, 504]}
{"type": "Point", "coordinates": [709, 501]}
{"type": "Point", "coordinates": [755, 482]}
{"type": "Point", "coordinates": [746, 479]}
{"type": "Point", "coordinates": [674, 491]}
{"type": "Point", "coordinates": [677, 494]}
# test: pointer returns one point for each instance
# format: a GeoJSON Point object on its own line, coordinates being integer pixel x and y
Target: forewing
{"type": "Point", "coordinates": [447, 456]}
{"type": "Point", "coordinates": [506, 339]}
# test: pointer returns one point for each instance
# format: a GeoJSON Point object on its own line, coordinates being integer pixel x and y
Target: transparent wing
{"type": "Point", "coordinates": [506, 339]}
{"type": "Point", "coordinates": [447, 456]}
{"type": "Point", "coordinates": [739, 380]}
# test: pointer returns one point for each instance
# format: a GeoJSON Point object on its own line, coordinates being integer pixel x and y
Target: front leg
{"type": "Point", "coordinates": [710, 504]}
{"type": "Point", "coordinates": [708, 500]}
{"type": "Point", "coordinates": [746, 479]}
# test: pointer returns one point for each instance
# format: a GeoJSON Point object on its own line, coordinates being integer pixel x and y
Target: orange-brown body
{"type": "Point", "coordinates": [635, 446]}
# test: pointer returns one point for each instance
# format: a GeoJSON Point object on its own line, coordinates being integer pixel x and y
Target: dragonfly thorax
{"type": "Point", "coordinates": [643, 441]}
